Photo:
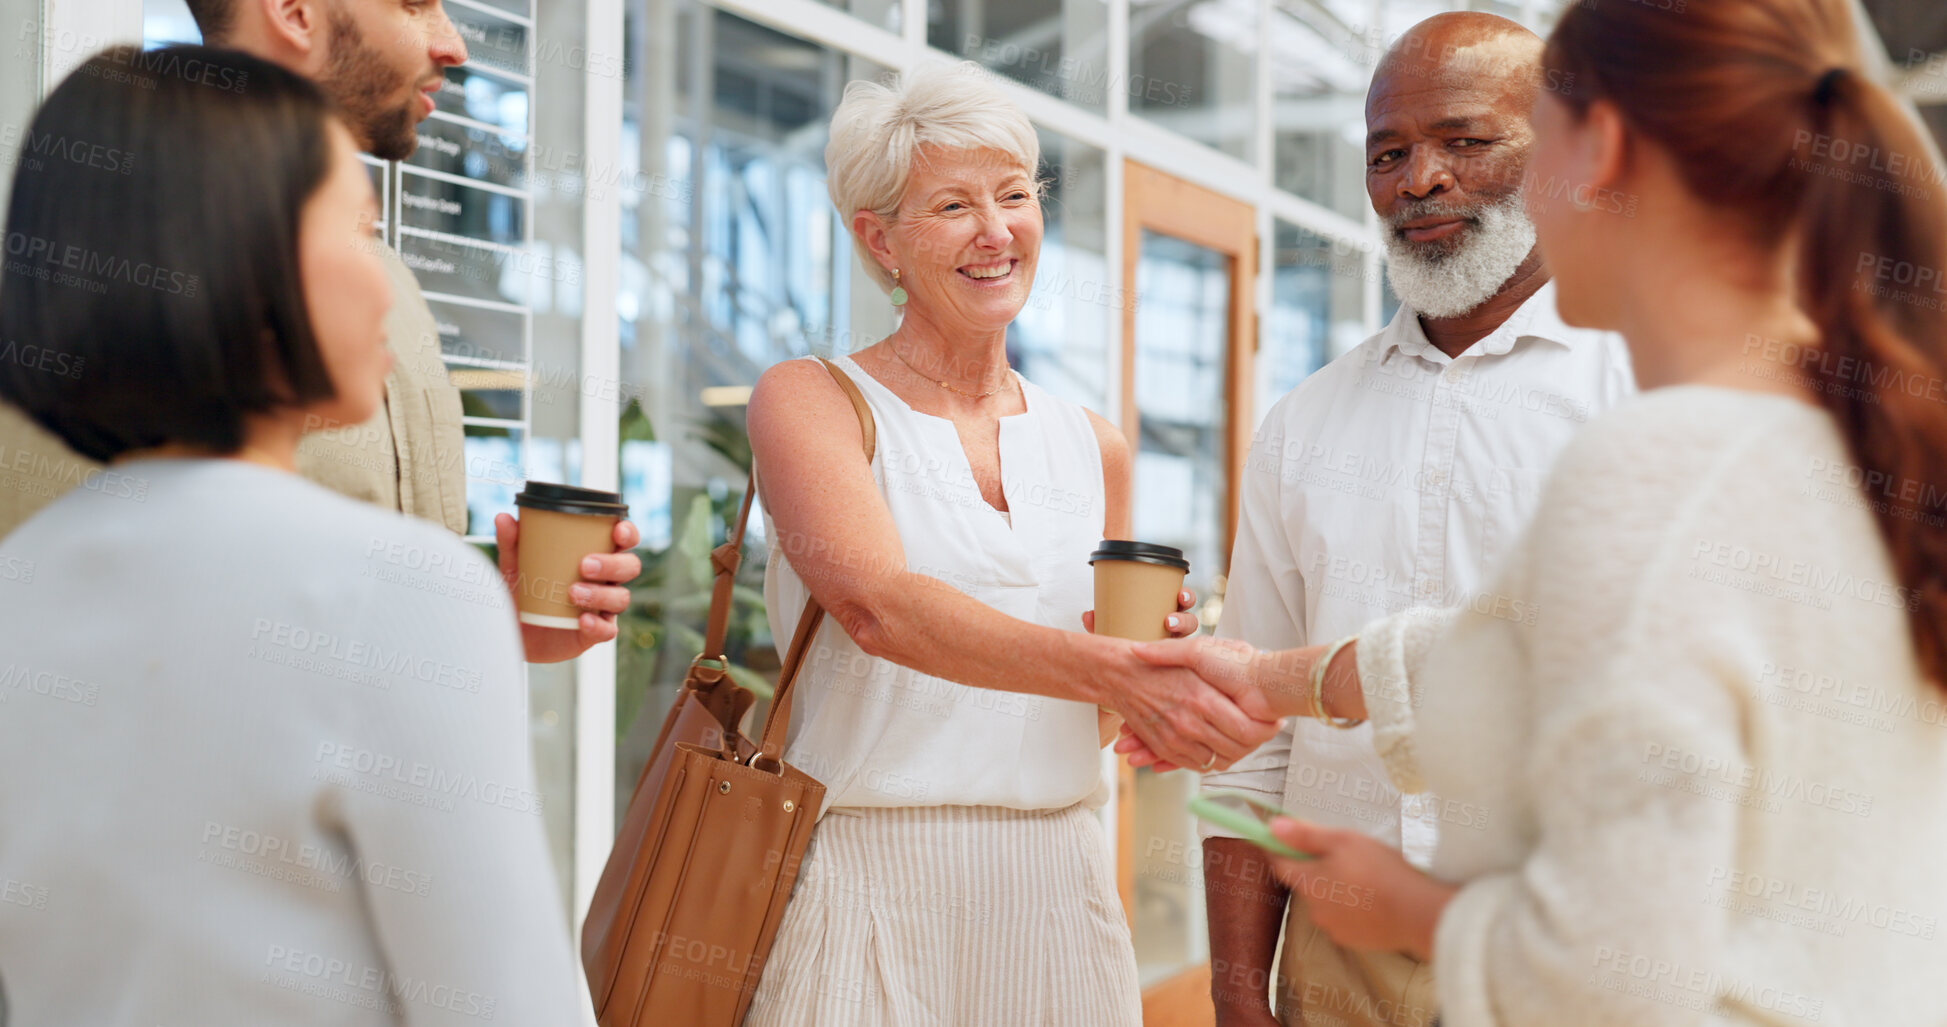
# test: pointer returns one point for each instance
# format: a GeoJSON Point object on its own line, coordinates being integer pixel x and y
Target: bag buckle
{"type": "Point", "coordinates": [719, 666]}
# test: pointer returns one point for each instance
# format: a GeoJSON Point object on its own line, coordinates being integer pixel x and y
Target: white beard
{"type": "Point", "coordinates": [1438, 284]}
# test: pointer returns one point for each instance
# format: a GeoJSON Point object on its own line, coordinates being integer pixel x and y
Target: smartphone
{"type": "Point", "coordinates": [1245, 815]}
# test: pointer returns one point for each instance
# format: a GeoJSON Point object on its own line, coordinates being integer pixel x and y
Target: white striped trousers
{"type": "Point", "coordinates": [952, 916]}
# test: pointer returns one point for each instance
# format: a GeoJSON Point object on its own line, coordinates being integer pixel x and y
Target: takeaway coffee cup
{"type": "Point", "coordinates": [1135, 588]}
{"type": "Point", "coordinates": [560, 524]}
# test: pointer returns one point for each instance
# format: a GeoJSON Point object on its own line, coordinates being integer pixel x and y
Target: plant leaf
{"type": "Point", "coordinates": [693, 539]}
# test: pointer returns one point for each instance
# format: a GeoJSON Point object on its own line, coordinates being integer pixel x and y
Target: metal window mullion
{"type": "Point", "coordinates": [1114, 117]}
{"type": "Point", "coordinates": [828, 27]}
{"type": "Point", "coordinates": [604, 22]}
{"type": "Point", "coordinates": [527, 245]}
{"type": "Point", "coordinates": [1267, 137]}
{"type": "Point", "coordinates": [488, 9]}
{"type": "Point", "coordinates": [912, 26]}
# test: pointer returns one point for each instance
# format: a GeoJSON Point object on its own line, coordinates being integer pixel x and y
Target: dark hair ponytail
{"type": "Point", "coordinates": [1761, 104]}
{"type": "Point", "coordinates": [1876, 254]}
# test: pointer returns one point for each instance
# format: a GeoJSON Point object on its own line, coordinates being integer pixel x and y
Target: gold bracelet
{"type": "Point", "coordinates": [1318, 685]}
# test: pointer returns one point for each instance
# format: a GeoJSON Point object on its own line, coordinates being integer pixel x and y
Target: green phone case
{"type": "Point", "coordinates": [1252, 829]}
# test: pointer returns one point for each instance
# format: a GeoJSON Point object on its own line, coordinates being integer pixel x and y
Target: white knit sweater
{"type": "Point", "coordinates": [1696, 774]}
{"type": "Point", "coordinates": [264, 760]}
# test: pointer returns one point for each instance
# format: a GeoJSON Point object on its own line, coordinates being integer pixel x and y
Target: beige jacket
{"type": "Point", "coordinates": [408, 457]}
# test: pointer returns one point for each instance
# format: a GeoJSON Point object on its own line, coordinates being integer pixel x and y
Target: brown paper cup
{"type": "Point", "coordinates": [1135, 588]}
{"type": "Point", "coordinates": [560, 524]}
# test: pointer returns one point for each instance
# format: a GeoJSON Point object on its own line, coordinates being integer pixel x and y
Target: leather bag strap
{"type": "Point", "coordinates": [710, 667]}
{"type": "Point", "coordinates": [868, 429]}
{"type": "Point", "coordinates": [726, 558]}
{"type": "Point", "coordinates": [771, 747]}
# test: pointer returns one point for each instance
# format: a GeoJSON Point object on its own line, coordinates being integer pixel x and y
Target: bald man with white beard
{"type": "Point", "coordinates": [1396, 476]}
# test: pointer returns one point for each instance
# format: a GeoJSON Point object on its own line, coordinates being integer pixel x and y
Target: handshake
{"type": "Point", "coordinates": [1196, 703]}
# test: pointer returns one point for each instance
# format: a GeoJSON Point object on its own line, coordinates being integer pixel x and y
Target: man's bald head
{"type": "Point", "coordinates": [1459, 48]}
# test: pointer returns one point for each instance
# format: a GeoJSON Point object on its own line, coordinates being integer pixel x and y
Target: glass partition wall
{"type": "Point", "coordinates": [731, 260]}
{"type": "Point", "coordinates": [488, 212]}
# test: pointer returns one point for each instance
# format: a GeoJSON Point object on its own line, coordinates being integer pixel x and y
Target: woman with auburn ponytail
{"type": "Point", "coordinates": [1892, 406]}
{"type": "Point", "coordinates": [1706, 781]}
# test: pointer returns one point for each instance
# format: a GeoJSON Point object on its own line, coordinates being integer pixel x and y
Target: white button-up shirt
{"type": "Point", "coordinates": [1397, 476]}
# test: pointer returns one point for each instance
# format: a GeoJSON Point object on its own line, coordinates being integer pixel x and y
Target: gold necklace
{"type": "Point", "coordinates": [950, 388]}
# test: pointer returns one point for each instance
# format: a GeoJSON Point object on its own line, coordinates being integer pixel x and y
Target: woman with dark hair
{"type": "Point", "coordinates": [1708, 773]}
{"type": "Point", "coordinates": [264, 754]}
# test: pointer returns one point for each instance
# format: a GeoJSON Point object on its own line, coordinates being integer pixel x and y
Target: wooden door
{"type": "Point", "coordinates": [1190, 262]}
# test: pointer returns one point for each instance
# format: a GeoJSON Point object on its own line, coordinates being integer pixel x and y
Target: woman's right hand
{"type": "Point", "coordinates": [1183, 718]}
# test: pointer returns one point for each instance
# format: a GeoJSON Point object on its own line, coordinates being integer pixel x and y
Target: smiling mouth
{"type": "Point", "coordinates": [1432, 231]}
{"type": "Point", "coordinates": [990, 272]}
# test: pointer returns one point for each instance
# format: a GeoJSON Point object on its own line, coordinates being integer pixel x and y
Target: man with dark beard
{"type": "Point", "coordinates": [382, 61]}
{"type": "Point", "coordinates": [1396, 476]}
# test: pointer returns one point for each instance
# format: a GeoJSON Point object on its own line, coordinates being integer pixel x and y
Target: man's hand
{"type": "Point", "coordinates": [601, 593]}
{"type": "Point", "coordinates": [1363, 893]}
{"type": "Point", "coordinates": [1180, 624]}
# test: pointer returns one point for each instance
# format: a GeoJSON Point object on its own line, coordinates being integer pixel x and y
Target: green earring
{"type": "Point", "coordinates": [898, 291]}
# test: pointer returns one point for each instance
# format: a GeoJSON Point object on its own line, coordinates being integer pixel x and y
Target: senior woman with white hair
{"type": "Point", "coordinates": [958, 874]}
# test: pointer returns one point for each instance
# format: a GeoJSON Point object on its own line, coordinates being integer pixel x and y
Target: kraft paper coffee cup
{"type": "Point", "coordinates": [1135, 588]}
{"type": "Point", "coordinates": [560, 524]}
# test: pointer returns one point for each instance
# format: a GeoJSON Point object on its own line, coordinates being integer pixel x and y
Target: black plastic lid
{"type": "Point", "coordinates": [1141, 552]}
{"type": "Point", "coordinates": [541, 495]}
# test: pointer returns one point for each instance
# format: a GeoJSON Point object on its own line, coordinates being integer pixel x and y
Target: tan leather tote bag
{"type": "Point", "coordinates": [686, 909]}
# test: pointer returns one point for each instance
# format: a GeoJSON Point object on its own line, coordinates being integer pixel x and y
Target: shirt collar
{"type": "Point", "coordinates": [1534, 319]}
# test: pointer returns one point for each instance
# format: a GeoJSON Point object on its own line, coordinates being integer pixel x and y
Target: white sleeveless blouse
{"type": "Point", "coordinates": [878, 734]}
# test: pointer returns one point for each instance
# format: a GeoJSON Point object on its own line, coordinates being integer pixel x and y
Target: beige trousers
{"type": "Point", "coordinates": [1323, 985]}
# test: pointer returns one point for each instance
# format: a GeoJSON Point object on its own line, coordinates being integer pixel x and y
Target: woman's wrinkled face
{"type": "Point", "coordinates": [345, 286]}
{"type": "Point", "coordinates": [967, 237]}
